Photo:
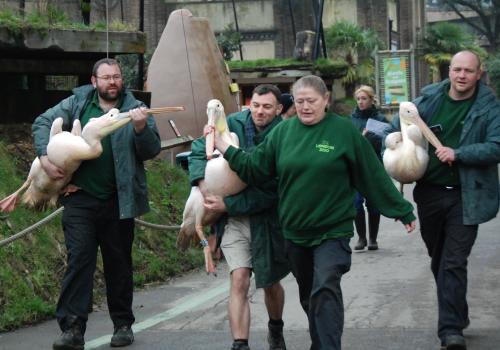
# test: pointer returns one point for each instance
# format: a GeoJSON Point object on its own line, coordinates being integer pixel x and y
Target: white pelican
{"type": "Point", "coordinates": [67, 150]}
{"type": "Point", "coordinates": [220, 180]}
{"type": "Point", "coordinates": [405, 158]}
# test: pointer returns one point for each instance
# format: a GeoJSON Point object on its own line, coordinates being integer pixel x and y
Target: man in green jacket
{"type": "Point", "coordinates": [459, 189]}
{"type": "Point", "coordinates": [250, 230]}
{"type": "Point", "coordinates": [104, 196]}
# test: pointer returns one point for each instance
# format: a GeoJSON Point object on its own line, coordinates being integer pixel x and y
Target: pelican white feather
{"type": "Point", "coordinates": [220, 180]}
{"type": "Point", "coordinates": [406, 155]}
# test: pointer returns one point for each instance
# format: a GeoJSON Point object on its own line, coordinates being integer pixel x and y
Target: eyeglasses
{"type": "Point", "coordinates": [108, 78]}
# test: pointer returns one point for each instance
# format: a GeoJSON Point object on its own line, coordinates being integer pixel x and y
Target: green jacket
{"type": "Point", "coordinates": [129, 149]}
{"type": "Point", "coordinates": [259, 203]}
{"type": "Point", "coordinates": [478, 153]}
{"type": "Point", "coordinates": [319, 167]}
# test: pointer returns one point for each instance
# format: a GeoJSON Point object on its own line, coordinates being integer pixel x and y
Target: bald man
{"type": "Point", "coordinates": [459, 189]}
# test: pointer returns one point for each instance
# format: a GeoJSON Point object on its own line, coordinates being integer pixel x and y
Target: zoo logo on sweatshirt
{"type": "Point", "coordinates": [324, 147]}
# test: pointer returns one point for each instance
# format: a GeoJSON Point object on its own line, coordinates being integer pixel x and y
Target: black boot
{"type": "Point", "coordinates": [71, 339]}
{"type": "Point", "coordinates": [240, 344]}
{"type": "Point", "coordinates": [360, 223]}
{"type": "Point", "coordinates": [275, 336]}
{"type": "Point", "coordinates": [373, 224]}
{"type": "Point", "coordinates": [122, 336]}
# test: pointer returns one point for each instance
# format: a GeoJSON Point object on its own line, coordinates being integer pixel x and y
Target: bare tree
{"type": "Point", "coordinates": [488, 12]}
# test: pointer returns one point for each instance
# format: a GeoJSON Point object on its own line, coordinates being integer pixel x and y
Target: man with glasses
{"type": "Point", "coordinates": [101, 201]}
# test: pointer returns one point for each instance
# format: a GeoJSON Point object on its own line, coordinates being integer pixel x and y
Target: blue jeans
{"type": "Point", "coordinates": [318, 271]}
{"type": "Point", "coordinates": [449, 243]}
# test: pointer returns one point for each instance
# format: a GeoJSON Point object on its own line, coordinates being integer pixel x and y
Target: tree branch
{"type": "Point", "coordinates": [477, 7]}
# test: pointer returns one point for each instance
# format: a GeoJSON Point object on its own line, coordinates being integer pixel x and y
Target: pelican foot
{"type": "Point", "coordinates": [209, 262]}
{"type": "Point", "coordinates": [9, 203]}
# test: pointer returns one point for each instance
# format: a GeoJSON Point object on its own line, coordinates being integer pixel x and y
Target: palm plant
{"type": "Point", "coordinates": [356, 47]}
{"type": "Point", "coordinates": [444, 39]}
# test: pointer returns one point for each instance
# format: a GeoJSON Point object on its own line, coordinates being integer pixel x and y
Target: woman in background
{"type": "Point", "coordinates": [366, 109]}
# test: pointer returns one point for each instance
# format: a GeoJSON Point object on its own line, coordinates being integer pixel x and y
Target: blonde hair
{"type": "Point", "coordinates": [368, 90]}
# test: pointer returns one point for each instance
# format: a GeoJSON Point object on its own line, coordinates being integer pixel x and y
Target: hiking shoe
{"type": "Point", "coordinates": [275, 337]}
{"type": "Point", "coordinates": [70, 339]}
{"type": "Point", "coordinates": [122, 336]}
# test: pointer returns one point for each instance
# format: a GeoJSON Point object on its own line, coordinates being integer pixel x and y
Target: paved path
{"type": "Point", "coordinates": [389, 299]}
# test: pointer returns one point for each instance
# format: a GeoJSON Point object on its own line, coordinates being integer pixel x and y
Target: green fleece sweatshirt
{"type": "Point", "coordinates": [319, 168]}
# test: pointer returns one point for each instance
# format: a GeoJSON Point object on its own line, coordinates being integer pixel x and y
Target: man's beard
{"type": "Point", "coordinates": [106, 96]}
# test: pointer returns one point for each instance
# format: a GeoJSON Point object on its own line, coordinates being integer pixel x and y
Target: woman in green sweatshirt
{"type": "Point", "coordinates": [320, 160]}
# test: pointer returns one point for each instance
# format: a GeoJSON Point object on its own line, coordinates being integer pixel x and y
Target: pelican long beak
{"type": "Point", "coordinates": [116, 121]}
{"type": "Point", "coordinates": [428, 134]}
{"type": "Point", "coordinates": [210, 138]}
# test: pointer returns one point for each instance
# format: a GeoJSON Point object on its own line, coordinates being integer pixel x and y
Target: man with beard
{"type": "Point", "coordinates": [101, 201]}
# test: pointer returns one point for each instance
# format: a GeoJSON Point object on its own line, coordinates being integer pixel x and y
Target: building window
{"type": "Point", "coordinates": [61, 82]}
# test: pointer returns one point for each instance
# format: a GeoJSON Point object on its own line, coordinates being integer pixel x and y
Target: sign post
{"type": "Point", "coordinates": [395, 83]}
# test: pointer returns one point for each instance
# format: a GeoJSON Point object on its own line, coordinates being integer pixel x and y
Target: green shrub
{"type": "Point", "coordinates": [31, 268]}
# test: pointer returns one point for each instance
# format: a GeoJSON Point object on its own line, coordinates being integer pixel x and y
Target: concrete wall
{"type": "Point", "coordinates": [255, 22]}
{"type": "Point", "coordinates": [339, 10]}
{"type": "Point", "coordinates": [253, 50]}
{"type": "Point", "coordinates": [220, 14]}
{"type": "Point", "coordinates": [392, 13]}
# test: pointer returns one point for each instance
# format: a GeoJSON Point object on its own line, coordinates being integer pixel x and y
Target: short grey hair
{"type": "Point", "coordinates": [310, 81]}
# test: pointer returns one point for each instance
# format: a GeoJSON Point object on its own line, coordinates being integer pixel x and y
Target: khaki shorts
{"type": "Point", "coordinates": [236, 243]}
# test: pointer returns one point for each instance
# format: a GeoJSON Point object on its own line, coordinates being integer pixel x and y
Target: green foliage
{"type": "Point", "coordinates": [10, 20]}
{"type": "Point", "coordinates": [330, 68]}
{"type": "Point", "coordinates": [326, 67]}
{"type": "Point", "coordinates": [493, 69]}
{"type": "Point", "coordinates": [229, 41]}
{"type": "Point", "coordinates": [264, 62]}
{"type": "Point", "coordinates": [31, 268]}
{"type": "Point", "coordinates": [442, 40]}
{"type": "Point", "coordinates": [53, 18]}
{"type": "Point", "coordinates": [85, 6]}
{"type": "Point", "coordinates": [115, 25]}
{"type": "Point", "coordinates": [130, 67]}
{"type": "Point", "coordinates": [356, 47]}
{"type": "Point", "coordinates": [446, 37]}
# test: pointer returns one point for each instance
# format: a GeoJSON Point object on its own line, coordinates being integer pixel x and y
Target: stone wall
{"type": "Point", "coordinates": [373, 14]}
{"type": "Point", "coordinates": [265, 25]}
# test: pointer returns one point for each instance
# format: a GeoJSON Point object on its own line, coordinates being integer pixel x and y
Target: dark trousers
{"type": "Point", "coordinates": [359, 200]}
{"type": "Point", "coordinates": [318, 271]}
{"type": "Point", "coordinates": [89, 223]}
{"type": "Point", "coordinates": [449, 243]}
